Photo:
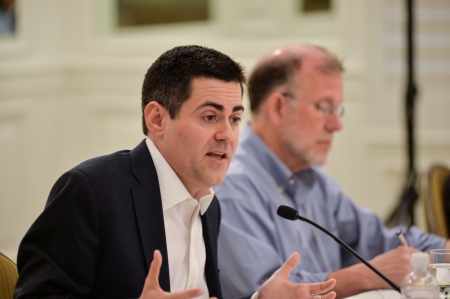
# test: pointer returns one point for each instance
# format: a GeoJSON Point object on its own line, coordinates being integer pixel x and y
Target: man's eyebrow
{"type": "Point", "coordinates": [238, 108]}
{"type": "Point", "coordinates": [212, 104]}
{"type": "Point", "coordinates": [220, 107]}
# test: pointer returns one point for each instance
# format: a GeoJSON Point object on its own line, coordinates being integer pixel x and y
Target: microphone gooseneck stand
{"type": "Point", "coordinates": [292, 214]}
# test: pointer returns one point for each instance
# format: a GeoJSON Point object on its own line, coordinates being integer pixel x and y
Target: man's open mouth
{"type": "Point", "coordinates": [217, 155]}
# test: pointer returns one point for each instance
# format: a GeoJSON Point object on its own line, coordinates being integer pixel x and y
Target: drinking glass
{"type": "Point", "coordinates": [440, 268]}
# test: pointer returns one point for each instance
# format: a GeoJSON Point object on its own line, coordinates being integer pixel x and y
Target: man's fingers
{"type": "Point", "coordinates": [330, 295]}
{"type": "Point", "coordinates": [322, 287]}
{"type": "Point", "coordinates": [288, 266]}
{"type": "Point", "coordinates": [152, 288]}
{"type": "Point", "coordinates": [153, 273]}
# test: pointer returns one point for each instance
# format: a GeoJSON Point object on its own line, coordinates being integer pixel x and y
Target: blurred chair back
{"type": "Point", "coordinates": [437, 207]}
{"type": "Point", "coordinates": [8, 277]}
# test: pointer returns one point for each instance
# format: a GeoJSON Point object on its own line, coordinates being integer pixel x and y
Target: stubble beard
{"type": "Point", "coordinates": [206, 176]}
{"type": "Point", "coordinates": [304, 153]}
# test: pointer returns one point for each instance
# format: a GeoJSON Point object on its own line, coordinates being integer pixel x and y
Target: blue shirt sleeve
{"type": "Point", "coordinates": [360, 228]}
{"type": "Point", "coordinates": [366, 233]}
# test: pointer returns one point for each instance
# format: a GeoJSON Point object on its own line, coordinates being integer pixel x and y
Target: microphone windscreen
{"type": "Point", "coordinates": [287, 212]}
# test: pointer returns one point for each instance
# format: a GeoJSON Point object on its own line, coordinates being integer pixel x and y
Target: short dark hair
{"type": "Point", "coordinates": [278, 71]}
{"type": "Point", "coordinates": [169, 79]}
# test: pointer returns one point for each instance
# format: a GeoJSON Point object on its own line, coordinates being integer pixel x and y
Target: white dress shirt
{"type": "Point", "coordinates": [183, 227]}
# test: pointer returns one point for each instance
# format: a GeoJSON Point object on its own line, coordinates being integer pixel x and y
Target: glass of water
{"type": "Point", "coordinates": [440, 268]}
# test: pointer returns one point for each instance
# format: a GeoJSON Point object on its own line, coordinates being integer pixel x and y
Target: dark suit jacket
{"type": "Point", "coordinates": [96, 236]}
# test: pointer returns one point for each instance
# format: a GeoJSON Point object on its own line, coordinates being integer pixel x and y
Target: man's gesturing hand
{"type": "Point", "coordinates": [278, 285]}
{"type": "Point", "coordinates": [152, 290]}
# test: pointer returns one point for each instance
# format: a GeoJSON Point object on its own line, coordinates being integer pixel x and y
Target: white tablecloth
{"type": "Point", "coordinates": [378, 294]}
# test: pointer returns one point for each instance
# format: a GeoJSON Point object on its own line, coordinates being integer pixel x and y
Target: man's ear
{"type": "Point", "coordinates": [276, 106]}
{"type": "Point", "coordinates": [155, 118]}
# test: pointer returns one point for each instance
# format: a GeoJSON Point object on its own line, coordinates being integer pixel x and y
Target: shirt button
{"type": "Point", "coordinates": [191, 285]}
{"type": "Point", "coordinates": [291, 182]}
{"type": "Point", "coordinates": [280, 189]}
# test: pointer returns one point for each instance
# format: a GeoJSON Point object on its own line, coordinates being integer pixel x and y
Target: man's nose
{"type": "Point", "coordinates": [334, 122]}
{"type": "Point", "coordinates": [225, 132]}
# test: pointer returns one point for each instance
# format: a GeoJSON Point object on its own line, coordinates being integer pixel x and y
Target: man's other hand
{"type": "Point", "coordinates": [394, 264]}
{"type": "Point", "coordinates": [278, 285]}
{"type": "Point", "coordinates": [152, 290]}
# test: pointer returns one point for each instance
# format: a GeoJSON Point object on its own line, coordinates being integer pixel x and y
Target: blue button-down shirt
{"type": "Point", "coordinates": [254, 241]}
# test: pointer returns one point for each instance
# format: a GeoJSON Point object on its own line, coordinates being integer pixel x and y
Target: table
{"type": "Point", "coordinates": [377, 294]}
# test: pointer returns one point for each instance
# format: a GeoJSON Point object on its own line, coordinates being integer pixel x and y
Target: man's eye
{"type": "Point", "coordinates": [235, 120]}
{"type": "Point", "coordinates": [325, 108]}
{"type": "Point", "coordinates": [209, 118]}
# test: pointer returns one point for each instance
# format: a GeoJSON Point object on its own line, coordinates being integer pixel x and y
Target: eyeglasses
{"type": "Point", "coordinates": [323, 108]}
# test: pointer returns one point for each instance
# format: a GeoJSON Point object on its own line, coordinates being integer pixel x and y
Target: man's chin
{"type": "Point", "coordinates": [218, 181]}
{"type": "Point", "coordinates": [319, 161]}
{"type": "Point", "coordinates": [213, 180]}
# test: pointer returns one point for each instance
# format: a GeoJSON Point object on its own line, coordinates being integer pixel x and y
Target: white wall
{"type": "Point", "coordinates": [369, 158]}
{"type": "Point", "coordinates": [70, 89]}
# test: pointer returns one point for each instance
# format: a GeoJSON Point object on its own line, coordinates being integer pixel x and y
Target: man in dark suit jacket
{"type": "Point", "coordinates": [110, 228]}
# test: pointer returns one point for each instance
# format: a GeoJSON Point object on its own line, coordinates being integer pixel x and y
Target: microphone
{"type": "Point", "coordinates": [292, 214]}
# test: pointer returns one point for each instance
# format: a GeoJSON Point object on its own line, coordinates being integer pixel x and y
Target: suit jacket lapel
{"type": "Point", "coordinates": [210, 224]}
{"type": "Point", "coordinates": [148, 208]}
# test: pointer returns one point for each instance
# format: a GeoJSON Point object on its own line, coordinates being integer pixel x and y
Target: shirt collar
{"type": "Point", "coordinates": [172, 189]}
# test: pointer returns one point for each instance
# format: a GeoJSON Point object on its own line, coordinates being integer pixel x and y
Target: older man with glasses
{"type": "Point", "coordinates": [296, 97]}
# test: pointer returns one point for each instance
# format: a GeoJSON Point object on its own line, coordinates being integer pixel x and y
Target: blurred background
{"type": "Point", "coordinates": [71, 74]}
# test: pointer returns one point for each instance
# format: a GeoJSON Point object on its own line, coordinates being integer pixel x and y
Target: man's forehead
{"type": "Point", "coordinates": [198, 79]}
{"type": "Point", "coordinates": [314, 67]}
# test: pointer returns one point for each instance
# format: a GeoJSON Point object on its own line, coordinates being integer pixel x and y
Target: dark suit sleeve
{"type": "Point", "coordinates": [57, 257]}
